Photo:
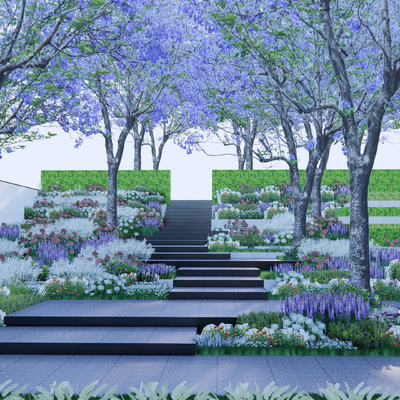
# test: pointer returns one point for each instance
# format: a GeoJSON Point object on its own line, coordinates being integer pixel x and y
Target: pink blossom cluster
{"type": "Point", "coordinates": [43, 203]}
{"type": "Point", "coordinates": [86, 203]}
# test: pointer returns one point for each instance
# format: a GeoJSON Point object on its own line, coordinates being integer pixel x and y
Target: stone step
{"type": "Point", "coordinates": [262, 264]}
{"type": "Point", "coordinates": [180, 248]}
{"type": "Point", "coordinates": [215, 271]}
{"type": "Point", "coordinates": [158, 241]}
{"type": "Point", "coordinates": [97, 340]}
{"type": "Point", "coordinates": [218, 281]}
{"type": "Point", "coordinates": [217, 293]}
{"type": "Point", "coordinates": [191, 256]}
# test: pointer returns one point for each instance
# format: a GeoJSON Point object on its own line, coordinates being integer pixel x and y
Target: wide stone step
{"type": "Point", "coordinates": [217, 293]}
{"type": "Point", "coordinates": [193, 256]}
{"type": "Point", "coordinates": [218, 281]}
{"type": "Point", "coordinates": [97, 340]}
{"type": "Point", "coordinates": [263, 264]}
{"type": "Point", "coordinates": [224, 271]}
{"type": "Point", "coordinates": [157, 241]}
{"type": "Point", "coordinates": [180, 248]}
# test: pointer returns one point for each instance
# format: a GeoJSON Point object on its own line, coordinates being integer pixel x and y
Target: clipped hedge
{"type": "Point", "coordinates": [382, 180]}
{"type": "Point", "coordinates": [159, 181]}
{"type": "Point", "coordinates": [372, 211]}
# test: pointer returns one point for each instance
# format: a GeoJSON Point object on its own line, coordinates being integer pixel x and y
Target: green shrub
{"type": "Point", "coordinates": [395, 271]}
{"type": "Point", "coordinates": [269, 197]}
{"type": "Point", "coordinates": [255, 197]}
{"type": "Point", "coordinates": [261, 319]}
{"type": "Point", "coordinates": [384, 196]}
{"type": "Point", "coordinates": [323, 276]}
{"type": "Point", "coordinates": [228, 214]}
{"type": "Point", "coordinates": [13, 303]}
{"type": "Point", "coordinates": [326, 196]}
{"type": "Point", "coordinates": [246, 207]}
{"type": "Point", "coordinates": [364, 334]}
{"type": "Point", "coordinates": [251, 214]}
{"type": "Point", "coordinates": [230, 198]}
{"type": "Point", "coordinates": [384, 234]}
{"type": "Point", "coordinates": [273, 211]}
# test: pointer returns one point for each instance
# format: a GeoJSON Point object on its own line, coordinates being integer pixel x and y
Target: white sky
{"type": "Point", "coordinates": [190, 174]}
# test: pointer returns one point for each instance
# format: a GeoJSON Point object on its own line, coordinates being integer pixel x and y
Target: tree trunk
{"type": "Point", "coordinates": [359, 270]}
{"type": "Point", "coordinates": [112, 193]}
{"type": "Point", "coordinates": [300, 204]}
{"type": "Point", "coordinates": [248, 155]}
{"type": "Point", "coordinates": [137, 161]}
{"type": "Point", "coordinates": [316, 191]}
{"type": "Point", "coordinates": [240, 157]}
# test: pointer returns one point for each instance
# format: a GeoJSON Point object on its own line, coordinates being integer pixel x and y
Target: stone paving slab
{"type": "Point", "coordinates": [132, 308]}
{"type": "Point", "coordinates": [214, 373]}
{"type": "Point", "coordinates": [375, 220]}
{"type": "Point", "coordinates": [96, 334]}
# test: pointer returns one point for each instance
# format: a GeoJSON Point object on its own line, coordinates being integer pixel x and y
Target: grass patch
{"type": "Point", "coordinates": [267, 275]}
{"type": "Point", "coordinates": [19, 298]}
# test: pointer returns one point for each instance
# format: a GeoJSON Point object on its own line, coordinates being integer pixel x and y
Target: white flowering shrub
{"type": "Point", "coordinates": [139, 248]}
{"type": "Point", "coordinates": [82, 226]}
{"type": "Point", "coordinates": [8, 247]}
{"type": "Point", "coordinates": [5, 291]}
{"type": "Point", "coordinates": [79, 267]}
{"type": "Point", "coordinates": [292, 279]}
{"type": "Point", "coordinates": [222, 242]}
{"type": "Point", "coordinates": [278, 222]}
{"type": "Point", "coordinates": [335, 248]}
{"type": "Point", "coordinates": [2, 315]}
{"type": "Point", "coordinates": [105, 284]}
{"type": "Point", "coordinates": [284, 238]}
{"type": "Point", "coordinates": [20, 269]}
{"type": "Point", "coordinates": [127, 212]}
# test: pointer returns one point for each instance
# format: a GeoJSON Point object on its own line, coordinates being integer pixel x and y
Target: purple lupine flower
{"type": "Point", "coordinates": [154, 204]}
{"type": "Point", "coordinates": [217, 207]}
{"type": "Point", "coordinates": [10, 232]}
{"type": "Point", "coordinates": [263, 206]}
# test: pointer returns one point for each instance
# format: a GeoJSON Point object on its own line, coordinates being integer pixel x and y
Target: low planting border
{"type": "Point", "coordinates": [159, 181]}
{"type": "Point", "coordinates": [382, 180]}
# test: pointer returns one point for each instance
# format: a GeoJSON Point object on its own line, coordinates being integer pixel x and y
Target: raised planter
{"type": "Point", "coordinates": [286, 258]}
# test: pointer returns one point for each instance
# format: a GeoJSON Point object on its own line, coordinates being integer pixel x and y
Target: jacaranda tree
{"type": "Point", "coordinates": [129, 80]}
{"type": "Point", "coordinates": [35, 36]}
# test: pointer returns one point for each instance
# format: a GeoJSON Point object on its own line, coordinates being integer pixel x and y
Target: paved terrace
{"type": "Point", "coordinates": [215, 373]}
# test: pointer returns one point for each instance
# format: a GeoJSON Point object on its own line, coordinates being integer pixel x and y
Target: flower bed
{"type": "Point", "coordinates": [64, 244]}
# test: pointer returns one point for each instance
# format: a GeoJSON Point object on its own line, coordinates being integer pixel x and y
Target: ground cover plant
{"type": "Point", "coordinates": [64, 248]}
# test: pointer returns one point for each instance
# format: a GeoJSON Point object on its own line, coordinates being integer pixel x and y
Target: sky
{"type": "Point", "coordinates": [190, 174]}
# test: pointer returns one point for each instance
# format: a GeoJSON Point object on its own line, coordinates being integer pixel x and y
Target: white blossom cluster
{"type": "Point", "coordinates": [18, 268]}
{"type": "Point", "coordinates": [7, 247]}
{"type": "Point", "coordinates": [295, 278]}
{"type": "Point", "coordinates": [335, 248]}
{"type": "Point", "coordinates": [82, 226]}
{"type": "Point", "coordinates": [138, 248]}
{"type": "Point", "coordinates": [222, 238]}
{"type": "Point", "coordinates": [79, 267]}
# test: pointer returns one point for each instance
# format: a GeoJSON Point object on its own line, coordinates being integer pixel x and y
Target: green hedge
{"type": "Point", "coordinates": [372, 211]}
{"type": "Point", "coordinates": [382, 180]}
{"type": "Point", "coordinates": [159, 181]}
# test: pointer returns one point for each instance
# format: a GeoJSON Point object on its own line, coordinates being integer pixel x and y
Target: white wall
{"type": "Point", "coordinates": [13, 199]}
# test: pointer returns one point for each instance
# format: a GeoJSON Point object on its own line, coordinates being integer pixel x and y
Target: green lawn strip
{"type": "Point", "coordinates": [295, 351]}
{"type": "Point", "coordinates": [372, 211]}
{"type": "Point", "coordinates": [267, 275]}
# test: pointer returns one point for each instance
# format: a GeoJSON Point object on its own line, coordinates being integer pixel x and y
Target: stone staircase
{"type": "Point", "coordinates": [202, 275]}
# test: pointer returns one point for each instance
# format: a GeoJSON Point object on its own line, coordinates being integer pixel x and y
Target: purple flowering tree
{"type": "Point", "coordinates": [35, 38]}
{"type": "Point", "coordinates": [129, 81]}
{"type": "Point", "coordinates": [260, 70]}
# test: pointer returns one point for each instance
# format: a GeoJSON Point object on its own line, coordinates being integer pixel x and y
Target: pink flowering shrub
{"type": "Point", "coordinates": [243, 233]}
{"type": "Point", "coordinates": [315, 259]}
